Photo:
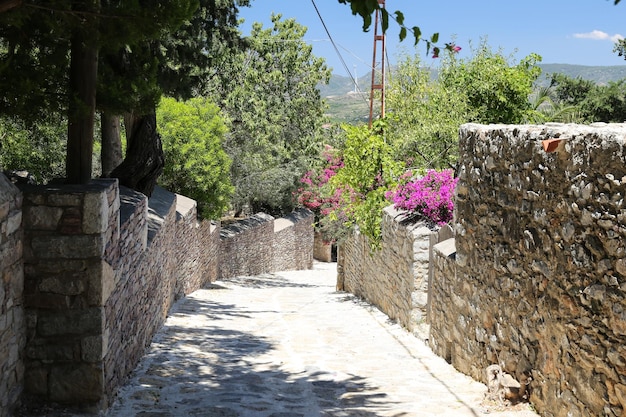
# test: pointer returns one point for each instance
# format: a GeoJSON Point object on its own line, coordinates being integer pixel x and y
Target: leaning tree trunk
{"type": "Point", "coordinates": [111, 154]}
{"type": "Point", "coordinates": [144, 155]}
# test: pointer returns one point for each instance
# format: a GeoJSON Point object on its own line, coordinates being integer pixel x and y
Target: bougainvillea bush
{"type": "Point", "coordinates": [431, 196]}
{"type": "Point", "coordinates": [312, 193]}
{"type": "Point", "coordinates": [316, 194]}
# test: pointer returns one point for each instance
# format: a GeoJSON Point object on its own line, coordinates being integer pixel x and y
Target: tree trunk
{"type": "Point", "coordinates": [81, 110]}
{"type": "Point", "coordinates": [144, 160]}
{"type": "Point", "coordinates": [111, 155]}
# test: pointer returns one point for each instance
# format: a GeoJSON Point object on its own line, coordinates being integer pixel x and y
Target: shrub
{"type": "Point", "coordinates": [196, 164]}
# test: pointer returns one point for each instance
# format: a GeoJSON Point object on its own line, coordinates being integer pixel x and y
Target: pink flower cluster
{"type": "Point", "coordinates": [311, 194]}
{"type": "Point", "coordinates": [432, 195]}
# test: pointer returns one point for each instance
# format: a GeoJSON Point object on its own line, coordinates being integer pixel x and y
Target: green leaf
{"type": "Point", "coordinates": [417, 33]}
{"type": "Point", "coordinates": [399, 17]}
{"type": "Point", "coordinates": [402, 33]}
{"type": "Point", "coordinates": [384, 15]}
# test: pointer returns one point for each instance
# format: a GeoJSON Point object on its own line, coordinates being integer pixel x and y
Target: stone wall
{"type": "Point", "coordinates": [293, 241]}
{"type": "Point", "coordinates": [102, 267]}
{"type": "Point", "coordinates": [12, 324]}
{"type": "Point", "coordinates": [145, 275]}
{"type": "Point", "coordinates": [246, 247]}
{"type": "Point", "coordinates": [394, 278]}
{"type": "Point", "coordinates": [538, 281]}
{"type": "Point", "coordinates": [260, 244]}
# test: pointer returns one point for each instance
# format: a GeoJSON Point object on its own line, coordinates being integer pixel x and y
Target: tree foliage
{"type": "Point", "coordinates": [496, 89]}
{"type": "Point", "coordinates": [269, 93]}
{"type": "Point", "coordinates": [620, 48]}
{"type": "Point", "coordinates": [196, 164]}
{"type": "Point", "coordinates": [38, 148]}
{"type": "Point", "coordinates": [424, 116]}
{"type": "Point", "coordinates": [368, 171]}
{"type": "Point", "coordinates": [594, 103]}
{"type": "Point", "coordinates": [52, 46]}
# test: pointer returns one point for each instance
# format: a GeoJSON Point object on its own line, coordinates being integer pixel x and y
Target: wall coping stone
{"type": "Point", "coordinates": [159, 205]}
{"type": "Point", "coordinates": [242, 225]}
{"type": "Point", "coordinates": [447, 248]}
{"type": "Point", "coordinates": [129, 200]}
{"type": "Point", "coordinates": [185, 207]}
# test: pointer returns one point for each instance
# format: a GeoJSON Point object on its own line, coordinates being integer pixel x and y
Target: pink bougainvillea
{"type": "Point", "coordinates": [431, 195]}
{"type": "Point", "coordinates": [311, 195]}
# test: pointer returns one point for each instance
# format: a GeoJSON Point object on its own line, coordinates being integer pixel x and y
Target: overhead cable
{"type": "Point", "coordinates": [355, 83]}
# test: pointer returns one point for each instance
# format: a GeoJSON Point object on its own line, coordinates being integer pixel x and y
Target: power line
{"type": "Point", "coordinates": [345, 67]}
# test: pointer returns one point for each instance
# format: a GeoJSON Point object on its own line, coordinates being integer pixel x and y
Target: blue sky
{"type": "Point", "coordinates": [561, 31]}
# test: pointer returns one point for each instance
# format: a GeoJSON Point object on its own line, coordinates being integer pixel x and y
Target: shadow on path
{"type": "Point", "coordinates": [215, 371]}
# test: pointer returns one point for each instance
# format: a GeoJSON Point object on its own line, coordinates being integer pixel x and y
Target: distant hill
{"type": "Point", "coordinates": [346, 105]}
{"type": "Point", "coordinates": [600, 74]}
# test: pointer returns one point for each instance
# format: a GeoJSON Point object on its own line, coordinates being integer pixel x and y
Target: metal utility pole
{"type": "Point", "coordinates": [378, 38]}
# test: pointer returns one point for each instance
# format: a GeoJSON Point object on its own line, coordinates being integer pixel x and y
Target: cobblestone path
{"type": "Point", "coordinates": [289, 345]}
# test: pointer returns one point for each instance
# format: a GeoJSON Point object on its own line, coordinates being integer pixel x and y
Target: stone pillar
{"type": "Point", "coordinates": [12, 334]}
{"type": "Point", "coordinates": [70, 232]}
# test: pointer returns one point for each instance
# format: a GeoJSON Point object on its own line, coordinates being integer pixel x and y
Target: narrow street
{"type": "Point", "coordinates": [289, 345]}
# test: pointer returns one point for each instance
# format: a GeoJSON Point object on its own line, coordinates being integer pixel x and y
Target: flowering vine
{"type": "Point", "coordinates": [431, 195]}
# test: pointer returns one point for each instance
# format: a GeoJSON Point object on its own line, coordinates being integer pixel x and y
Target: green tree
{"type": "Point", "coordinates": [270, 94]}
{"type": "Point", "coordinates": [197, 165]}
{"type": "Point", "coordinates": [424, 116]}
{"type": "Point", "coordinates": [496, 90]}
{"type": "Point", "coordinates": [620, 48]}
{"type": "Point", "coordinates": [180, 63]}
{"type": "Point", "coordinates": [595, 103]}
{"type": "Point", "coordinates": [38, 148]}
{"type": "Point", "coordinates": [52, 48]}
{"type": "Point", "coordinates": [548, 108]}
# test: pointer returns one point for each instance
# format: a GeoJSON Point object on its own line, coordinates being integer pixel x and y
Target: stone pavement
{"type": "Point", "coordinates": [289, 345]}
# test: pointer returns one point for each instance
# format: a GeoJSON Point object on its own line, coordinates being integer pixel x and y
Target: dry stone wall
{"type": "Point", "coordinates": [247, 246]}
{"type": "Point", "coordinates": [101, 267]}
{"type": "Point", "coordinates": [12, 323]}
{"type": "Point", "coordinates": [260, 244]}
{"type": "Point", "coordinates": [537, 284]}
{"type": "Point", "coordinates": [394, 278]}
{"type": "Point", "coordinates": [293, 241]}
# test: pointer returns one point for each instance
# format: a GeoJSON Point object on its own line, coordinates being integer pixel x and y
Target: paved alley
{"type": "Point", "coordinates": [289, 345]}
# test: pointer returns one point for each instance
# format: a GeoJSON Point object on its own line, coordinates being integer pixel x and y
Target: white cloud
{"type": "Point", "coordinates": [598, 35]}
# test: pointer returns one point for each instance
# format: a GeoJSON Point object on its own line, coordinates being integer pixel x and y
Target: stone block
{"type": "Point", "coordinates": [68, 247]}
{"type": "Point", "coordinates": [64, 285]}
{"type": "Point", "coordinates": [36, 380]}
{"type": "Point", "coordinates": [45, 350]}
{"type": "Point", "coordinates": [5, 207]}
{"type": "Point", "coordinates": [47, 301]}
{"type": "Point", "coordinates": [76, 384]}
{"type": "Point", "coordinates": [92, 349]}
{"type": "Point", "coordinates": [42, 217]}
{"type": "Point", "coordinates": [72, 322]}
{"type": "Point", "coordinates": [65, 200]}
{"type": "Point", "coordinates": [95, 213]}
{"type": "Point", "coordinates": [14, 222]}
{"type": "Point", "coordinates": [102, 282]}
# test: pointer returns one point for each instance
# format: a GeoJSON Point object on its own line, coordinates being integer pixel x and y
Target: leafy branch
{"type": "Point", "coordinates": [365, 8]}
